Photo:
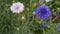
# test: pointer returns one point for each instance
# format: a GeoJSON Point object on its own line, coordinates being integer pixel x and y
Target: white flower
{"type": "Point", "coordinates": [47, 0]}
{"type": "Point", "coordinates": [23, 17]}
{"type": "Point", "coordinates": [34, 13]}
{"type": "Point", "coordinates": [17, 7]}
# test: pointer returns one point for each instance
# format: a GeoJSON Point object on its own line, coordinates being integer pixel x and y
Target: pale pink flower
{"type": "Point", "coordinates": [17, 7]}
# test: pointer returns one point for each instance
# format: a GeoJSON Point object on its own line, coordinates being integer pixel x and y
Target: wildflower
{"type": "Point", "coordinates": [34, 13]}
{"type": "Point", "coordinates": [43, 12]}
{"type": "Point", "coordinates": [57, 29]}
{"type": "Point", "coordinates": [23, 17]}
{"type": "Point", "coordinates": [44, 24]}
{"type": "Point", "coordinates": [54, 14]}
{"type": "Point", "coordinates": [17, 7]}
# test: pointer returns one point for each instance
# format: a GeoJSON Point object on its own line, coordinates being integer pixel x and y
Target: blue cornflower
{"type": "Point", "coordinates": [57, 29]}
{"type": "Point", "coordinates": [44, 24]}
{"type": "Point", "coordinates": [54, 14]}
{"type": "Point", "coordinates": [43, 12]}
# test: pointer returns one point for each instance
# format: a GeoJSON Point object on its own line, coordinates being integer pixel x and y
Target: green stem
{"type": "Point", "coordinates": [43, 31]}
{"type": "Point", "coordinates": [55, 18]}
{"type": "Point", "coordinates": [30, 5]}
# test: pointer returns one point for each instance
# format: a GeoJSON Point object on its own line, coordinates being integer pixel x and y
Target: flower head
{"type": "Point", "coordinates": [44, 24]}
{"type": "Point", "coordinates": [54, 14]}
{"type": "Point", "coordinates": [57, 29]}
{"type": "Point", "coordinates": [34, 13]}
{"type": "Point", "coordinates": [43, 12]}
{"type": "Point", "coordinates": [17, 7]}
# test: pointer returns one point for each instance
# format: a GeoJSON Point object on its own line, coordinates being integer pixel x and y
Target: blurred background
{"type": "Point", "coordinates": [27, 22]}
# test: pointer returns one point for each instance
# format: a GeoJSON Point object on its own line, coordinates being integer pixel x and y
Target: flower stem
{"type": "Point", "coordinates": [43, 31]}
{"type": "Point", "coordinates": [55, 18]}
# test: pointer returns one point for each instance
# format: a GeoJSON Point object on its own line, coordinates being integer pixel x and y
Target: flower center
{"type": "Point", "coordinates": [17, 7]}
{"type": "Point", "coordinates": [43, 11]}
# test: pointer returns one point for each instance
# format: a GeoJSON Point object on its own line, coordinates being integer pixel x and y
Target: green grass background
{"type": "Point", "coordinates": [11, 23]}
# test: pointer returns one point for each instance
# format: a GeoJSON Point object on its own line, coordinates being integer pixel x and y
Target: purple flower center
{"type": "Point", "coordinates": [43, 11]}
{"type": "Point", "coordinates": [17, 7]}
{"type": "Point", "coordinates": [44, 23]}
